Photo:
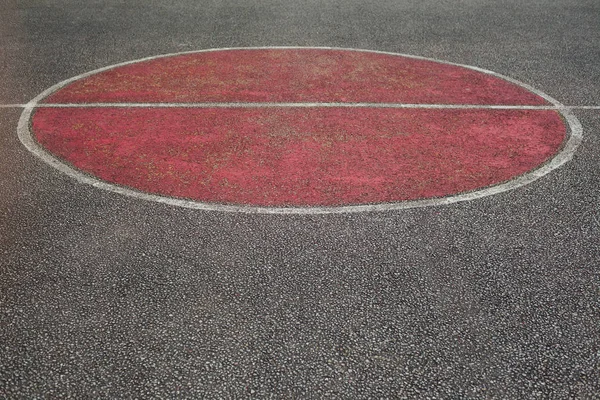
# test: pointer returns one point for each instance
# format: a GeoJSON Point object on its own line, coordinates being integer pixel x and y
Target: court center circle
{"type": "Point", "coordinates": [299, 130]}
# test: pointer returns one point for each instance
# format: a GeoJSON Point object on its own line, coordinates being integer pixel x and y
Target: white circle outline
{"type": "Point", "coordinates": [574, 138]}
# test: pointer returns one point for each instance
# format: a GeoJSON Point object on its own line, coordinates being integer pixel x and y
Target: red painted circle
{"type": "Point", "coordinates": [298, 156]}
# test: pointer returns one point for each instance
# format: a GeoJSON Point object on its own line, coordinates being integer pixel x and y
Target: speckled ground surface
{"type": "Point", "coordinates": [106, 296]}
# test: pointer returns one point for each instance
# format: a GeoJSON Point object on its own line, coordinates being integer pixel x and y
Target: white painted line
{"type": "Point", "coordinates": [12, 105]}
{"type": "Point", "coordinates": [584, 107]}
{"type": "Point", "coordinates": [574, 138]}
{"type": "Point", "coordinates": [302, 105]}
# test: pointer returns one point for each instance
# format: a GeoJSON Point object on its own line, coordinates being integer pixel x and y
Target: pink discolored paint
{"type": "Point", "coordinates": [300, 156]}
{"type": "Point", "coordinates": [294, 75]}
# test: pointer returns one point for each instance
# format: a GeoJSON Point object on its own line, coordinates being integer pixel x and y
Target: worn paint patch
{"type": "Point", "coordinates": [298, 156]}
{"type": "Point", "coordinates": [294, 75]}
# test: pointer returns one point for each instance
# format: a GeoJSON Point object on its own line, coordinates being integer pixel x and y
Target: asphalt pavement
{"type": "Point", "coordinates": [107, 296]}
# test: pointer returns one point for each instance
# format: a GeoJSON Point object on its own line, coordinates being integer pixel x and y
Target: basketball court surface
{"type": "Point", "coordinates": [317, 200]}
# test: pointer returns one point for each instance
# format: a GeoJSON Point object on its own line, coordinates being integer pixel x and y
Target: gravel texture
{"type": "Point", "coordinates": [105, 296]}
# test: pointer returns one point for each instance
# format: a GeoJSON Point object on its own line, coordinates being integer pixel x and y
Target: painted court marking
{"type": "Point", "coordinates": [280, 105]}
{"type": "Point", "coordinates": [301, 105]}
{"type": "Point", "coordinates": [249, 98]}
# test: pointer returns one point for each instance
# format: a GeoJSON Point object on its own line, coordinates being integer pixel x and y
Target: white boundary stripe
{"type": "Point", "coordinates": [573, 140]}
{"type": "Point", "coordinates": [584, 107]}
{"type": "Point", "coordinates": [303, 105]}
{"type": "Point", "coordinates": [12, 105]}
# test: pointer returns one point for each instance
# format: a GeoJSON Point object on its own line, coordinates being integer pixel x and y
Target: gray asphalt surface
{"type": "Point", "coordinates": [106, 296]}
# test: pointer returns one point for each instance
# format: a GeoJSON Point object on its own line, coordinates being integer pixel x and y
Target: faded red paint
{"type": "Point", "coordinates": [299, 156]}
{"type": "Point", "coordinates": [295, 75]}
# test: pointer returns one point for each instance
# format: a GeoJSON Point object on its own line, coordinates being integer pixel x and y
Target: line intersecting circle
{"type": "Point", "coordinates": [299, 130]}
